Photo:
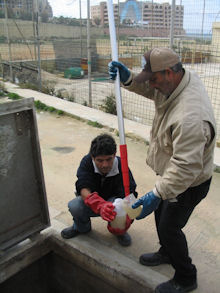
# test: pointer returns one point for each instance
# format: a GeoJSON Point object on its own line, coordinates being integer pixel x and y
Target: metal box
{"type": "Point", "coordinates": [23, 202]}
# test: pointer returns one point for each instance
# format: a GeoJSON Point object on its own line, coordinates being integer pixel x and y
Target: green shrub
{"type": "Point", "coordinates": [49, 87]}
{"type": "Point", "coordinates": [109, 105]}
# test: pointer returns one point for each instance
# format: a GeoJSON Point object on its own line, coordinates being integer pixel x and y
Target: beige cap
{"type": "Point", "coordinates": [157, 59]}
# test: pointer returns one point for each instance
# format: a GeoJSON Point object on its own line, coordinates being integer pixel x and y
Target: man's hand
{"type": "Point", "coordinates": [124, 73]}
{"type": "Point", "coordinates": [100, 206]}
{"type": "Point", "coordinates": [150, 203]}
{"type": "Point", "coordinates": [107, 211]}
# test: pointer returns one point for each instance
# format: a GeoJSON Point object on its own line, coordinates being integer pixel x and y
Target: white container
{"type": "Point", "coordinates": [120, 219]}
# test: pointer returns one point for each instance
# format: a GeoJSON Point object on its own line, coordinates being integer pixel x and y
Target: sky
{"type": "Point", "coordinates": [193, 11]}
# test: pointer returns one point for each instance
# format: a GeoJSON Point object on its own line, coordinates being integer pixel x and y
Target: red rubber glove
{"type": "Point", "coordinates": [117, 231]}
{"type": "Point", "coordinates": [100, 206]}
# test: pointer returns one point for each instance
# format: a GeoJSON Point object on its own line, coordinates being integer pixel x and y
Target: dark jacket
{"type": "Point", "coordinates": [105, 186]}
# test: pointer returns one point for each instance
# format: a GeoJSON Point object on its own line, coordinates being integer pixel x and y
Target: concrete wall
{"type": "Point", "coordinates": [216, 41]}
{"type": "Point", "coordinates": [46, 30]}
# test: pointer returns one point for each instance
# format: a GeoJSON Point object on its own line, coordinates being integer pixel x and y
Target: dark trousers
{"type": "Point", "coordinates": [170, 219]}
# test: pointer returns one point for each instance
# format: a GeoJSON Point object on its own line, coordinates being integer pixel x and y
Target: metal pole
{"type": "Point", "coordinates": [34, 30]}
{"type": "Point", "coordinates": [172, 22]}
{"type": "Point", "coordinates": [203, 17]}
{"type": "Point", "coordinates": [142, 25]}
{"type": "Point", "coordinates": [152, 17]}
{"type": "Point", "coordinates": [38, 46]}
{"type": "Point", "coordinates": [80, 17]}
{"type": "Point", "coordinates": [89, 53]}
{"type": "Point", "coordinates": [118, 26]}
{"type": "Point", "coordinates": [9, 42]}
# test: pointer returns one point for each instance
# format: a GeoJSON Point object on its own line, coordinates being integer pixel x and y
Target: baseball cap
{"type": "Point", "coordinates": [157, 59]}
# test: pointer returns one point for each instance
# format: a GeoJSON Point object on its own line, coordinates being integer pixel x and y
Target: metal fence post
{"type": "Point", "coordinates": [89, 53]}
{"type": "Point", "coordinates": [9, 42]}
{"type": "Point", "coordinates": [172, 23]}
{"type": "Point", "coordinates": [38, 46]}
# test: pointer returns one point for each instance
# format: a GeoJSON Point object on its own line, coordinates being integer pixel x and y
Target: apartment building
{"type": "Point", "coordinates": [146, 14]}
{"type": "Point", "coordinates": [26, 6]}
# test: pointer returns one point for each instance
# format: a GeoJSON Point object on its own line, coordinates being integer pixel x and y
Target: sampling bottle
{"type": "Point", "coordinates": [128, 201]}
{"type": "Point", "coordinates": [120, 218]}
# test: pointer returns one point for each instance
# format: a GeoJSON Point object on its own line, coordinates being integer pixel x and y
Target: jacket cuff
{"type": "Point", "coordinates": [155, 191]}
{"type": "Point", "coordinates": [128, 82]}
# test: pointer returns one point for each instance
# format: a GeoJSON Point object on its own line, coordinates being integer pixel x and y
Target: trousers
{"type": "Point", "coordinates": [81, 214]}
{"type": "Point", "coordinates": [171, 217]}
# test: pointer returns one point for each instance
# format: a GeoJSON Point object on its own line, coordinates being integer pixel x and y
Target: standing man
{"type": "Point", "coordinates": [99, 183]}
{"type": "Point", "coordinates": [180, 152]}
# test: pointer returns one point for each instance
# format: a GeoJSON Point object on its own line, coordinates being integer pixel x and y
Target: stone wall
{"type": "Point", "coordinates": [46, 30]}
{"type": "Point", "coordinates": [22, 72]}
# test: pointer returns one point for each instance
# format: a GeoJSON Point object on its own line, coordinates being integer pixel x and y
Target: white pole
{"type": "Point", "coordinates": [172, 21]}
{"type": "Point", "coordinates": [117, 81]}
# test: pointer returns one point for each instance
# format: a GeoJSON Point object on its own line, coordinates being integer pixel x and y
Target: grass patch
{"type": "Point", "coordinates": [95, 124]}
{"type": "Point", "coordinates": [14, 96]}
{"type": "Point", "coordinates": [41, 106]}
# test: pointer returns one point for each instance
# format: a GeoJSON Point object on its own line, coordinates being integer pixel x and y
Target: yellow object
{"type": "Point", "coordinates": [127, 205]}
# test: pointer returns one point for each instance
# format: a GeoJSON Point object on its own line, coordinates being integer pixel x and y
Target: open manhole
{"type": "Point", "coordinates": [52, 273]}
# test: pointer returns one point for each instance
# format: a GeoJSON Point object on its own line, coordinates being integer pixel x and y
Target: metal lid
{"type": "Point", "coordinates": [23, 201]}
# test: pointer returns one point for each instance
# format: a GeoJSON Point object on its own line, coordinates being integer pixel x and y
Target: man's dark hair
{"type": "Point", "coordinates": [176, 68]}
{"type": "Point", "coordinates": [102, 145]}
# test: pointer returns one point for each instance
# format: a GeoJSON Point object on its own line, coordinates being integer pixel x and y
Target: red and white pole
{"type": "Point", "coordinates": [123, 146]}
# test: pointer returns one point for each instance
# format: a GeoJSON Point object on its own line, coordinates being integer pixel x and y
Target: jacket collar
{"type": "Point", "coordinates": [184, 82]}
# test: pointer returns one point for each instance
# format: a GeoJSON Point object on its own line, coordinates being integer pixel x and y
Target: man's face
{"type": "Point", "coordinates": [163, 82]}
{"type": "Point", "coordinates": [104, 163]}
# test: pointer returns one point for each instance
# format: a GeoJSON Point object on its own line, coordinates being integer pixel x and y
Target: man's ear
{"type": "Point", "coordinates": [169, 73]}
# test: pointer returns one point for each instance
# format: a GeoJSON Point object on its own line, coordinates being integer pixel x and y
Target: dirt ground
{"type": "Point", "coordinates": [65, 140]}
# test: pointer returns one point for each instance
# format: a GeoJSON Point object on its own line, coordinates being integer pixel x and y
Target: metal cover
{"type": "Point", "coordinates": [23, 202]}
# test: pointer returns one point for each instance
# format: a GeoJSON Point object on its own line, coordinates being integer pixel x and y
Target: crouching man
{"type": "Point", "coordinates": [99, 184]}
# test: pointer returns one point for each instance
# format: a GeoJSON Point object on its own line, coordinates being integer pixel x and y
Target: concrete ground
{"type": "Point", "coordinates": [65, 140]}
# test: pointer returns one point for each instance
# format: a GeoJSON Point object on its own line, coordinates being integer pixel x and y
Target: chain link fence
{"type": "Point", "coordinates": [65, 47]}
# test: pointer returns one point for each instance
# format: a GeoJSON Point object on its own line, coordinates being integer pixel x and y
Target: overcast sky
{"type": "Point", "coordinates": [193, 10]}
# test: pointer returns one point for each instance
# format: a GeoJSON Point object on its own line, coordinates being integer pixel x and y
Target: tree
{"type": "Point", "coordinates": [97, 21]}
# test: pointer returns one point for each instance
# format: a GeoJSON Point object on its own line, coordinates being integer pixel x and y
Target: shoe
{"type": "Point", "coordinates": [173, 287]}
{"type": "Point", "coordinates": [69, 232]}
{"type": "Point", "coordinates": [124, 240]}
{"type": "Point", "coordinates": [153, 259]}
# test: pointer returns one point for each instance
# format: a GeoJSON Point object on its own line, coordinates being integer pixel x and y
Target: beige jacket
{"type": "Point", "coordinates": [182, 136]}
